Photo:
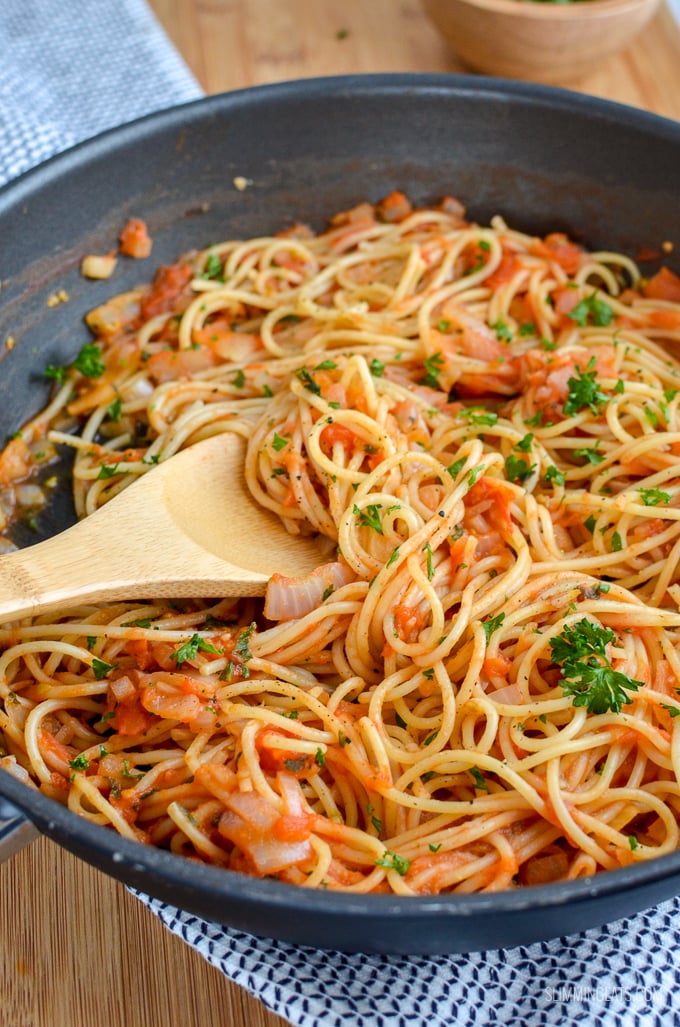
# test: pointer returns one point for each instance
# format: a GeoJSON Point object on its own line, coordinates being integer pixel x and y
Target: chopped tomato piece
{"type": "Point", "coordinates": [134, 239]}
{"type": "Point", "coordinates": [169, 283]}
{"type": "Point", "coordinates": [559, 247]}
{"type": "Point", "coordinates": [665, 285]}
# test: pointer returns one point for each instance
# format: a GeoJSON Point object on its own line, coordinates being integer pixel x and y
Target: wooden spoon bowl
{"type": "Point", "coordinates": [188, 527]}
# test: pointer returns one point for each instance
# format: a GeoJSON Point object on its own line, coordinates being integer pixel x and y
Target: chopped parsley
{"type": "Point", "coordinates": [592, 311]}
{"type": "Point", "coordinates": [456, 467]}
{"type": "Point", "coordinates": [653, 497]}
{"type": "Point", "coordinates": [479, 779]}
{"type": "Point", "coordinates": [584, 391]}
{"type": "Point", "coordinates": [427, 548]}
{"type": "Point", "coordinates": [88, 362]}
{"type": "Point", "coordinates": [392, 861]}
{"type": "Point", "coordinates": [101, 668]}
{"type": "Point", "coordinates": [393, 556]}
{"type": "Point", "coordinates": [518, 469]}
{"type": "Point", "coordinates": [502, 331]}
{"type": "Point", "coordinates": [433, 366]}
{"type": "Point", "coordinates": [590, 454]}
{"type": "Point", "coordinates": [305, 377]}
{"type": "Point", "coordinates": [114, 409]}
{"type": "Point", "coordinates": [554, 476]}
{"type": "Point", "coordinates": [480, 416]}
{"type": "Point", "coordinates": [491, 625]}
{"type": "Point", "coordinates": [587, 674]}
{"type": "Point", "coordinates": [190, 650]}
{"type": "Point", "coordinates": [213, 269]}
{"type": "Point", "coordinates": [369, 517]}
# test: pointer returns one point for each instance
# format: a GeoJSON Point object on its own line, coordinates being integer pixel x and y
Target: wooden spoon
{"type": "Point", "coordinates": [189, 527]}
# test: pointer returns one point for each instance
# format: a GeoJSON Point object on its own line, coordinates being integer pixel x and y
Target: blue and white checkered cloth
{"type": "Point", "coordinates": [69, 70]}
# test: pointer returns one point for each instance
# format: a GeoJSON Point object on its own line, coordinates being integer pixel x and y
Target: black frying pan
{"type": "Point", "coordinates": [545, 159]}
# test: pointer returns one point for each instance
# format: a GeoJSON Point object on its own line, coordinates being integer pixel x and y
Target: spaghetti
{"type": "Point", "coordinates": [482, 689]}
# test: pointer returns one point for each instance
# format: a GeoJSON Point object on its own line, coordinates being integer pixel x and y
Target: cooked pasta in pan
{"type": "Point", "coordinates": [481, 688]}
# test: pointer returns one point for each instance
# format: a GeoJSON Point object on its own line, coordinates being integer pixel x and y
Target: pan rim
{"type": "Point", "coordinates": [227, 884]}
{"type": "Point", "coordinates": [506, 91]}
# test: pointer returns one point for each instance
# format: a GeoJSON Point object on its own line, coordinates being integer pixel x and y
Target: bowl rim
{"type": "Point", "coordinates": [533, 10]}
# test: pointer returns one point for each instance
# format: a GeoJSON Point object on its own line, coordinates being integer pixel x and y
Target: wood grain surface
{"type": "Point", "coordinates": [78, 949]}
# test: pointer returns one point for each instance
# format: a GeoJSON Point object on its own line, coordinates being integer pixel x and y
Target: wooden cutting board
{"type": "Point", "coordinates": [78, 949]}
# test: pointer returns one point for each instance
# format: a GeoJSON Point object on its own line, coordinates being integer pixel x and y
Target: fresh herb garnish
{"type": "Point", "coordinates": [518, 469]}
{"type": "Point", "coordinates": [101, 668]}
{"type": "Point", "coordinates": [584, 391]}
{"type": "Point", "coordinates": [305, 377]}
{"type": "Point", "coordinates": [190, 650]}
{"type": "Point", "coordinates": [213, 269]}
{"type": "Point", "coordinates": [88, 362]}
{"type": "Point", "coordinates": [587, 674]}
{"type": "Point", "coordinates": [433, 366]}
{"type": "Point", "coordinates": [369, 517]}
{"type": "Point", "coordinates": [592, 311]}
{"type": "Point", "coordinates": [479, 779]}
{"type": "Point", "coordinates": [491, 625]}
{"type": "Point", "coordinates": [652, 497]}
{"type": "Point", "coordinates": [393, 861]}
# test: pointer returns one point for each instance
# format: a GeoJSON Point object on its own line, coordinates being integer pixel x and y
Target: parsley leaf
{"type": "Point", "coordinates": [587, 674]}
{"type": "Point", "coordinates": [518, 469]}
{"type": "Point", "coordinates": [584, 391]}
{"type": "Point", "coordinates": [213, 268]}
{"type": "Point", "coordinates": [427, 548]}
{"type": "Point", "coordinates": [590, 454]}
{"type": "Point", "coordinates": [88, 362]}
{"type": "Point", "coordinates": [553, 474]}
{"type": "Point", "coordinates": [190, 650]}
{"type": "Point", "coordinates": [433, 366]}
{"type": "Point", "coordinates": [592, 311]}
{"type": "Point", "coordinates": [480, 416]}
{"type": "Point", "coordinates": [101, 668]}
{"type": "Point", "coordinates": [492, 624]}
{"type": "Point", "coordinates": [652, 497]}
{"type": "Point", "coordinates": [305, 377]}
{"type": "Point", "coordinates": [456, 467]}
{"type": "Point", "coordinates": [479, 779]}
{"type": "Point", "coordinates": [369, 517]}
{"type": "Point", "coordinates": [393, 861]}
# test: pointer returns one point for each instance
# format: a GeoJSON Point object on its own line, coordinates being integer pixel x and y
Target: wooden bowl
{"type": "Point", "coordinates": [541, 42]}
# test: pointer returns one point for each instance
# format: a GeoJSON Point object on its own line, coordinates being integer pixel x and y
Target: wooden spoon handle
{"type": "Point", "coordinates": [112, 556]}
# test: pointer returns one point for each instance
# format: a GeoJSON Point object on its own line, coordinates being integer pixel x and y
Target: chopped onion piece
{"type": "Point", "coordinates": [290, 598]}
{"type": "Point", "coordinates": [94, 266]}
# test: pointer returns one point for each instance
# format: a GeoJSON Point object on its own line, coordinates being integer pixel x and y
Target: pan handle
{"type": "Point", "coordinates": [16, 830]}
